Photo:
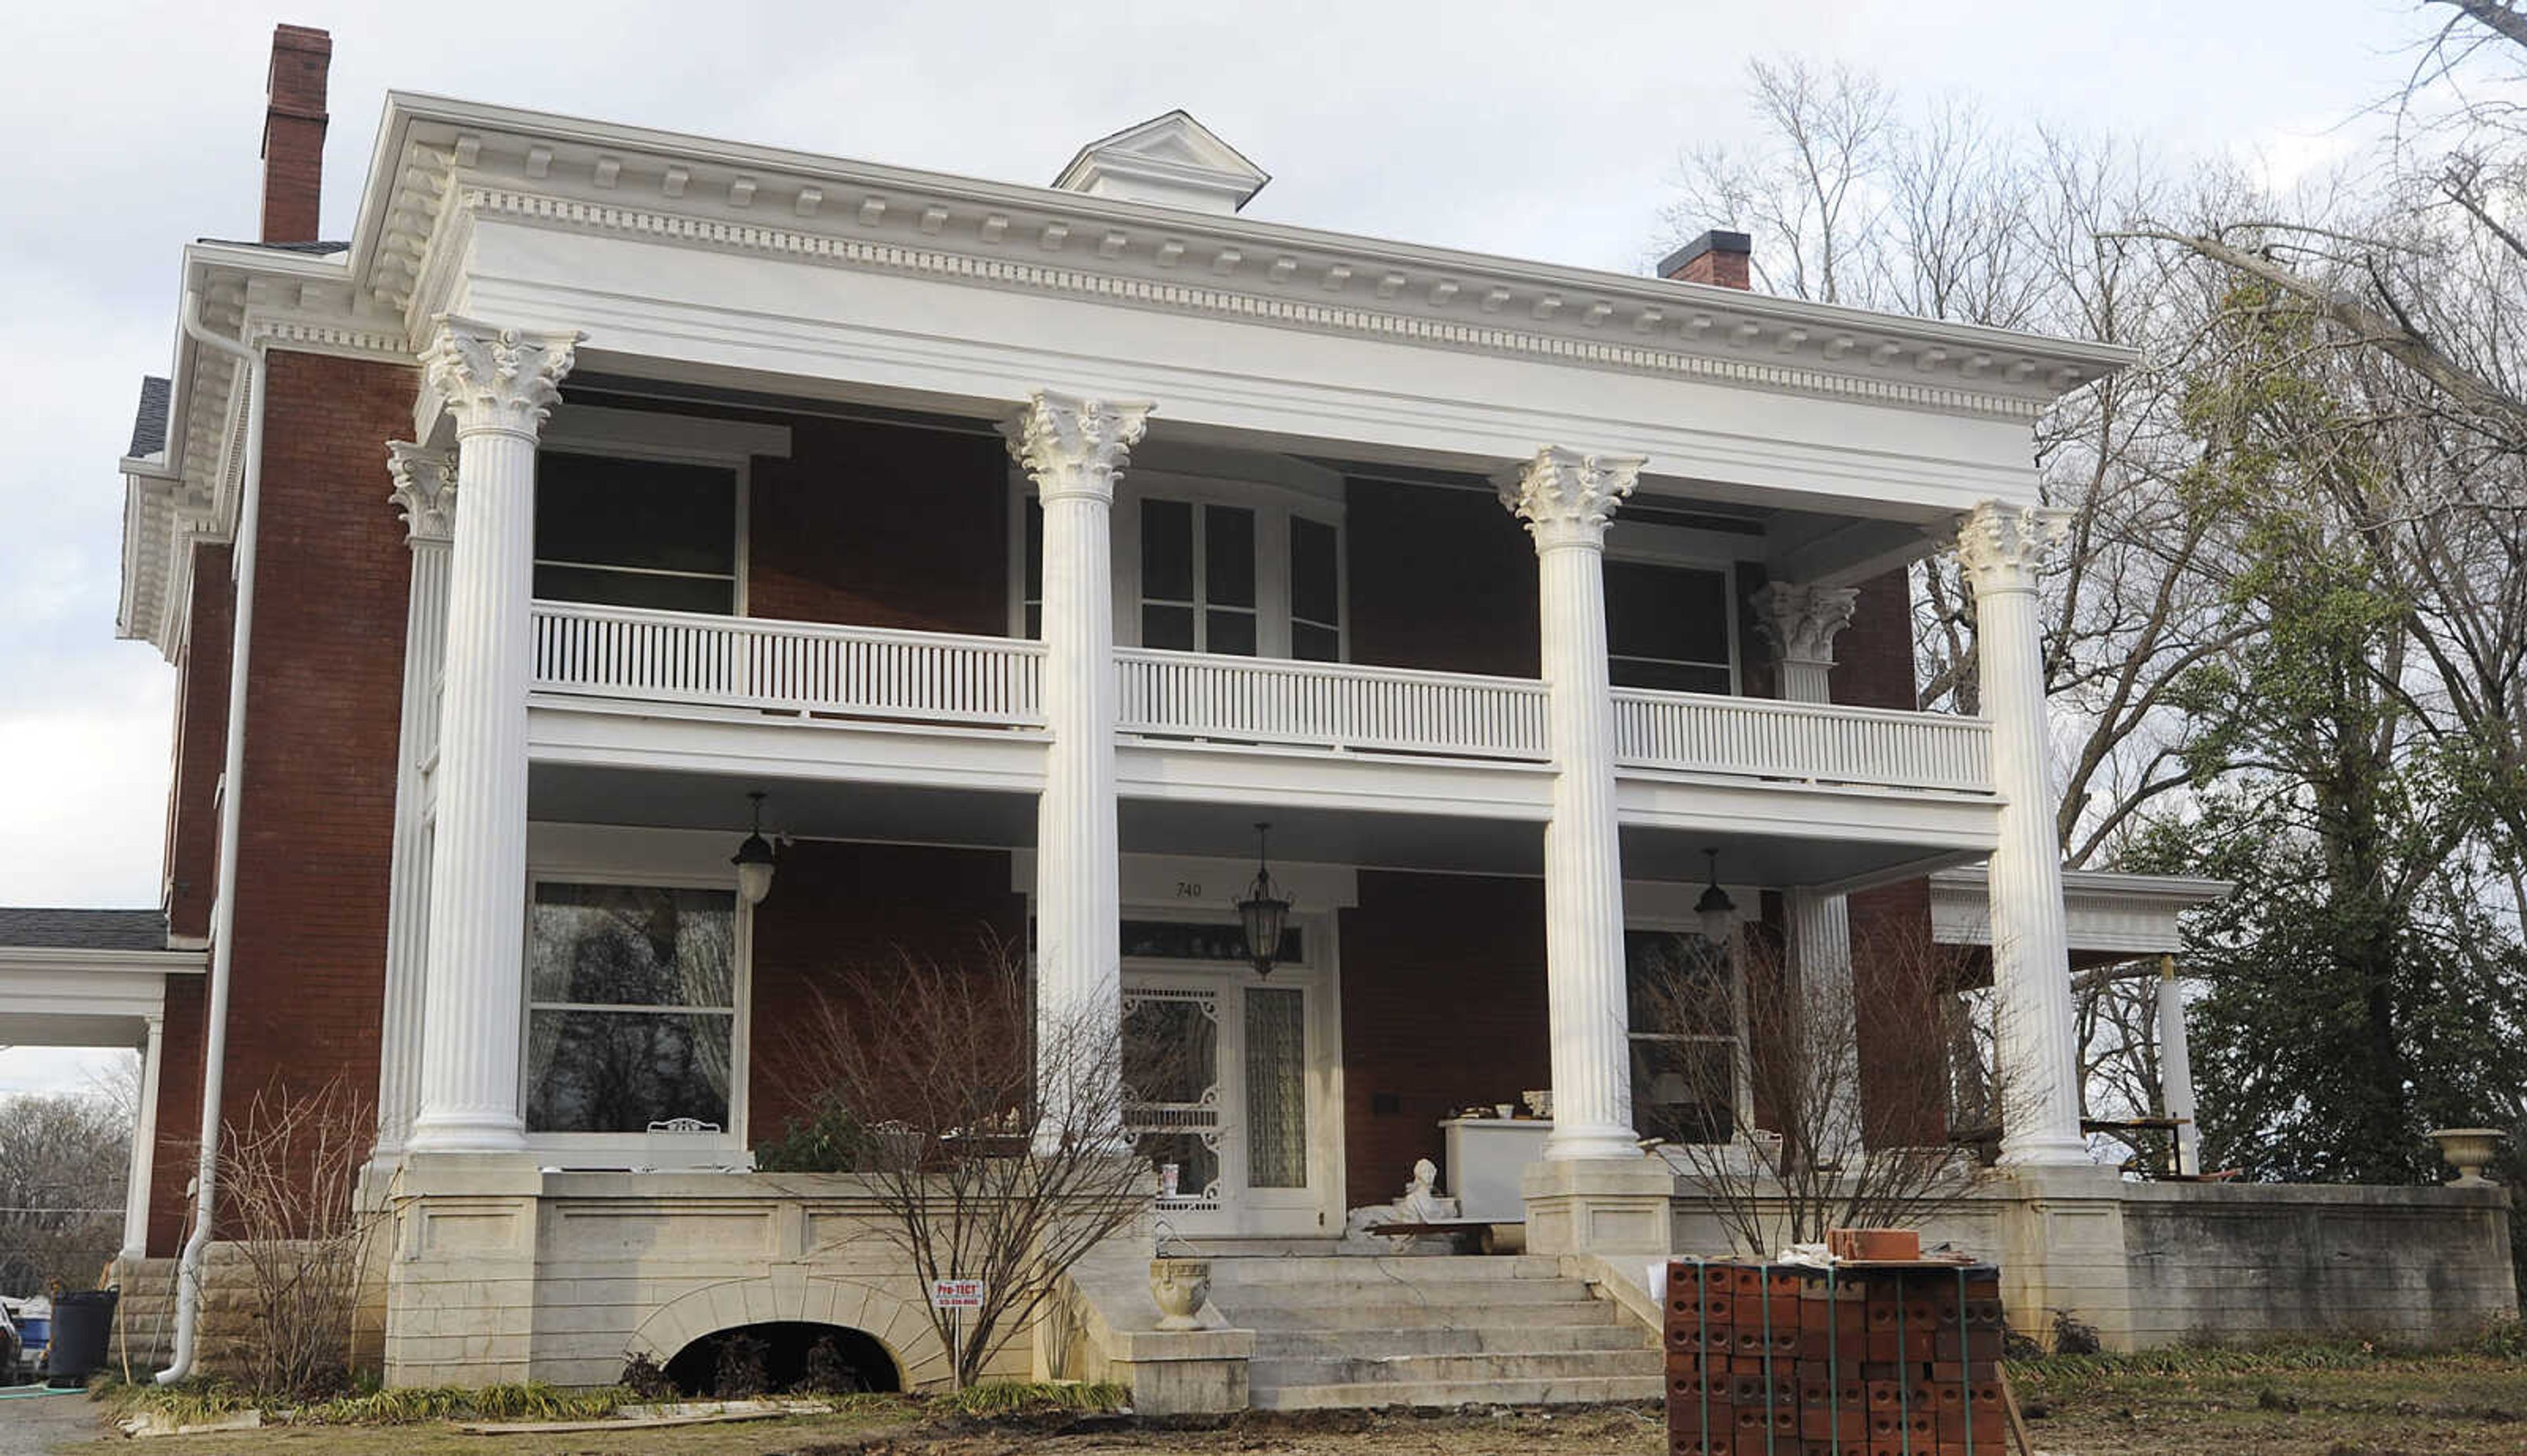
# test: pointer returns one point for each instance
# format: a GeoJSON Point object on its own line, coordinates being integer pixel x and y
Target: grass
{"type": "Point", "coordinates": [198, 1402]}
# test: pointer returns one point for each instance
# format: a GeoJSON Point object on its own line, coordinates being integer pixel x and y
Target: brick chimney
{"type": "Point", "coordinates": [293, 133]}
{"type": "Point", "coordinates": [1724, 260]}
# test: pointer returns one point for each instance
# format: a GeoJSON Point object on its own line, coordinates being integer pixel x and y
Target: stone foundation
{"type": "Point", "coordinates": [2151, 1264]}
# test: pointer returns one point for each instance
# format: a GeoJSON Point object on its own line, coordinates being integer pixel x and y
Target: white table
{"type": "Point", "coordinates": [1485, 1156]}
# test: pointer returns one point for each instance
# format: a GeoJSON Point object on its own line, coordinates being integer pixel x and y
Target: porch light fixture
{"type": "Point", "coordinates": [753, 858]}
{"type": "Point", "coordinates": [1264, 909]}
{"type": "Point", "coordinates": [1717, 910]}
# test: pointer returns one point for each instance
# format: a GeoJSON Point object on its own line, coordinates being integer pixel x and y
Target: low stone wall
{"type": "Point", "coordinates": [501, 1272]}
{"type": "Point", "coordinates": [2151, 1264]}
{"type": "Point", "coordinates": [231, 1320]}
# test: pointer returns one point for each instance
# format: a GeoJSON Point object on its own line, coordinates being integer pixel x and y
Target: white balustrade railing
{"type": "Point", "coordinates": [1764, 738]}
{"type": "Point", "coordinates": [813, 668]}
{"type": "Point", "coordinates": [1330, 705]}
{"type": "Point", "coordinates": [799, 667]}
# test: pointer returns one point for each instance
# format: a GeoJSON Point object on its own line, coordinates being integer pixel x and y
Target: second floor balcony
{"type": "Point", "coordinates": [813, 673]}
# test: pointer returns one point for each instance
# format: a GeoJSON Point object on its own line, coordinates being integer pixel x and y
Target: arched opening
{"type": "Point", "coordinates": [781, 1357]}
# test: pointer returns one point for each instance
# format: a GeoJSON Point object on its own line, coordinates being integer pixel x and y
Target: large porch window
{"type": "Point", "coordinates": [1688, 1036]}
{"type": "Point", "coordinates": [631, 1007]}
{"type": "Point", "coordinates": [1671, 627]}
{"type": "Point", "coordinates": [637, 532]}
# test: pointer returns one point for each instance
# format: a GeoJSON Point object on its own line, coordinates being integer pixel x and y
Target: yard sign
{"type": "Point", "coordinates": [956, 1293]}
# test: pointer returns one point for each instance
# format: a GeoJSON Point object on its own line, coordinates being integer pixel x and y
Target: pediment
{"type": "Point", "coordinates": [1171, 160]}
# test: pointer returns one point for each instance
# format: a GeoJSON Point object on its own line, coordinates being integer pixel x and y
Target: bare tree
{"type": "Point", "coordinates": [63, 1163]}
{"type": "Point", "coordinates": [300, 1238]}
{"type": "Point", "coordinates": [1847, 1155]}
{"type": "Point", "coordinates": [958, 1091]}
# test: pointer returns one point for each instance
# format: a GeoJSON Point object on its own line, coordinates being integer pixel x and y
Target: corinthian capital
{"type": "Point", "coordinates": [1072, 446]}
{"type": "Point", "coordinates": [2001, 546]}
{"type": "Point", "coordinates": [1565, 496]}
{"type": "Point", "coordinates": [1801, 622]}
{"type": "Point", "coordinates": [425, 489]}
{"type": "Point", "coordinates": [504, 379]}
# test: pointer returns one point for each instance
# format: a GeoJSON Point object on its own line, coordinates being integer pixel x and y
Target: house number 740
{"type": "Point", "coordinates": [1187, 889]}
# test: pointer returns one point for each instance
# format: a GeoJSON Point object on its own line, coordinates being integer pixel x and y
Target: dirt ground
{"type": "Point", "coordinates": [2420, 1408]}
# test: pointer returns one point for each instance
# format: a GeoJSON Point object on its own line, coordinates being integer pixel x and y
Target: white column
{"type": "Point", "coordinates": [1074, 449]}
{"type": "Point", "coordinates": [1800, 622]}
{"type": "Point", "coordinates": [425, 494]}
{"type": "Point", "coordinates": [1564, 498]}
{"type": "Point", "coordinates": [2176, 1067]}
{"type": "Point", "coordinates": [2000, 547]}
{"type": "Point", "coordinates": [499, 384]}
{"type": "Point", "coordinates": [144, 1145]}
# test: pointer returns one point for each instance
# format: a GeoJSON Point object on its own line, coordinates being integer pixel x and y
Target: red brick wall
{"type": "Point", "coordinates": [322, 712]}
{"type": "Point", "coordinates": [1443, 1007]}
{"type": "Point", "coordinates": [1440, 578]}
{"type": "Point", "coordinates": [1873, 656]}
{"type": "Point", "coordinates": [881, 526]}
{"type": "Point", "coordinates": [179, 1114]}
{"type": "Point", "coordinates": [201, 748]}
{"type": "Point", "coordinates": [837, 910]}
{"type": "Point", "coordinates": [294, 133]}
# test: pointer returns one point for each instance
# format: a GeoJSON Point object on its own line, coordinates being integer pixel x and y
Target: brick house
{"type": "Point", "coordinates": [1025, 547]}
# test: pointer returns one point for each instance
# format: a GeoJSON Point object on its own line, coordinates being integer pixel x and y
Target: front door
{"type": "Point", "coordinates": [1218, 1068]}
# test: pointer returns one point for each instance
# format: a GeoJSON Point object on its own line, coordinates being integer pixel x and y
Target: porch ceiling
{"type": "Point", "coordinates": [829, 809]}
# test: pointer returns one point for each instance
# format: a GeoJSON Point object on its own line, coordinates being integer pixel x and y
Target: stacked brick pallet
{"type": "Point", "coordinates": [1895, 1358]}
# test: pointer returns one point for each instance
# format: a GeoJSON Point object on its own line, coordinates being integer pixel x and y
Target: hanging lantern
{"type": "Point", "coordinates": [1719, 913]}
{"type": "Point", "coordinates": [754, 858]}
{"type": "Point", "coordinates": [1264, 909]}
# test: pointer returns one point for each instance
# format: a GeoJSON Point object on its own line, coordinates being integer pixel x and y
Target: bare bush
{"type": "Point", "coordinates": [1836, 1146]}
{"type": "Point", "coordinates": [288, 1183]}
{"type": "Point", "coordinates": [958, 1088]}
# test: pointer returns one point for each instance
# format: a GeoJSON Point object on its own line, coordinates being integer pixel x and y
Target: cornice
{"type": "Point", "coordinates": [440, 162]}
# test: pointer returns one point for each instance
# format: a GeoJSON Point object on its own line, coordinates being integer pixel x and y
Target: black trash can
{"type": "Point", "coordinates": [82, 1330]}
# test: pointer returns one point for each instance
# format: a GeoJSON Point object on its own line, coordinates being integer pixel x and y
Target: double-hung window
{"type": "Point", "coordinates": [1670, 626]}
{"type": "Point", "coordinates": [1688, 1049]}
{"type": "Point", "coordinates": [635, 533]}
{"type": "Point", "coordinates": [1198, 577]}
{"type": "Point", "coordinates": [631, 1007]}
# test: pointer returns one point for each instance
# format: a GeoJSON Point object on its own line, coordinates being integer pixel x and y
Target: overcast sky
{"type": "Point", "coordinates": [1548, 131]}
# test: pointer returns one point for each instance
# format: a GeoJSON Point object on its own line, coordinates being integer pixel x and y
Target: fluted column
{"type": "Point", "coordinates": [2176, 1068]}
{"type": "Point", "coordinates": [1800, 622]}
{"type": "Point", "coordinates": [1074, 449]}
{"type": "Point", "coordinates": [144, 1145]}
{"type": "Point", "coordinates": [2000, 548]}
{"type": "Point", "coordinates": [1564, 497]}
{"type": "Point", "coordinates": [425, 495]}
{"type": "Point", "coordinates": [499, 384]}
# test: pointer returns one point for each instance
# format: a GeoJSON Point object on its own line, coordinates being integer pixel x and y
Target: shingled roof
{"type": "Point", "coordinates": [82, 930]}
{"type": "Point", "coordinates": [149, 420]}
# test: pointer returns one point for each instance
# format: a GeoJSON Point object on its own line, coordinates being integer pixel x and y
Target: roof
{"type": "Point", "coordinates": [82, 930]}
{"type": "Point", "coordinates": [149, 418]}
{"type": "Point", "coordinates": [317, 248]}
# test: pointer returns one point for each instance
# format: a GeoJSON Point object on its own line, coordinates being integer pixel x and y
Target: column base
{"type": "Point", "coordinates": [1600, 1206]}
{"type": "Point", "coordinates": [2044, 1152]}
{"type": "Point", "coordinates": [1566, 1144]}
{"type": "Point", "coordinates": [462, 1133]}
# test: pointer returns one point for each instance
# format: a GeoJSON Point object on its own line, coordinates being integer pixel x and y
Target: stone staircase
{"type": "Point", "coordinates": [1335, 1332]}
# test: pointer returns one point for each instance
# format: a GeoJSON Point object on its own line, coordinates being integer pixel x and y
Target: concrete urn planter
{"type": "Point", "coordinates": [1181, 1287]}
{"type": "Point", "coordinates": [2468, 1150]}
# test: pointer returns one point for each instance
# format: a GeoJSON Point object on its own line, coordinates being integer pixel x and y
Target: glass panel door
{"type": "Point", "coordinates": [1171, 1090]}
{"type": "Point", "coordinates": [1277, 1087]}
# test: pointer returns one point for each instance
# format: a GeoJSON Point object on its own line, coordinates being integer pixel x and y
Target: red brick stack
{"type": "Point", "coordinates": [1866, 1359]}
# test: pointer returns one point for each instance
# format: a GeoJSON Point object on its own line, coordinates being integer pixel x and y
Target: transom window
{"type": "Point", "coordinates": [635, 533]}
{"type": "Point", "coordinates": [630, 1007]}
{"type": "Point", "coordinates": [1670, 627]}
{"type": "Point", "coordinates": [1687, 1033]}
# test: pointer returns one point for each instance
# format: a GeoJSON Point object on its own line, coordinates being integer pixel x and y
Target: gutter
{"type": "Point", "coordinates": [188, 1274]}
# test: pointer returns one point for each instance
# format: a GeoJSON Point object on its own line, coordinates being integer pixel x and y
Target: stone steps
{"type": "Point", "coordinates": [1347, 1332]}
{"type": "Point", "coordinates": [1442, 1394]}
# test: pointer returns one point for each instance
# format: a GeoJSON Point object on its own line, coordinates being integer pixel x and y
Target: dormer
{"type": "Point", "coordinates": [1172, 161]}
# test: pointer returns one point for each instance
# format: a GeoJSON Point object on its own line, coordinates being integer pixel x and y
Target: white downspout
{"type": "Point", "coordinates": [188, 1274]}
